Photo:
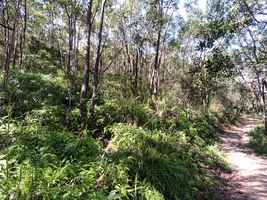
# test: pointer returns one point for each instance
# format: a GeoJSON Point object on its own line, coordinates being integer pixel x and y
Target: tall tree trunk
{"type": "Point", "coordinates": [262, 85]}
{"type": "Point", "coordinates": [97, 63]}
{"type": "Point", "coordinates": [11, 45]}
{"type": "Point", "coordinates": [156, 69]}
{"type": "Point", "coordinates": [264, 97]}
{"type": "Point", "coordinates": [72, 20]}
{"type": "Point", "coordinates": [23, 36]}
{"type": "Point", "coordinates": [70, 54]}
{"type": "Point", "coordinates": [136, 70]}
{"type": "Point", "coordinates": [15, 50]}
{"type": "Point", "coordinates": [77, 48]}
{"type": "Point", "coordinates": [155, 81]}
{"type": "Point", "coordinates": [85, 83]}
{"type": "Point", "coordinates": [62, 57]}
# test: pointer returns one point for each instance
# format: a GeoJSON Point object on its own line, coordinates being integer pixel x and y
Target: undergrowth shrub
{"type": "Point", "coordinates": [47, 161]}
{"type": "Point", "coordinates": [258, 140]}
{"type": "Point", "coordinates": [45, 164]}
{"type": "Point", "coordinates": [123, 110]}
{"type": "Point", "coordinates": [206, 130]}
{"type": "Point", "coordinates": [156, 151]}
{"type": "Point", "coordinates": [170, 164]}
{"type": "Point", "coordinates": [28, 91]}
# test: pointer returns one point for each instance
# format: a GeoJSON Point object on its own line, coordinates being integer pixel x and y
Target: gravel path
{"type": "Point", "coordinates": [249, 178]}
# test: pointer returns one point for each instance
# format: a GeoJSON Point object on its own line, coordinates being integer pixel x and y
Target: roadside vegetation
{"type": "Point", "coordinates": [123, 100]}
{"type": "Point", "coordinates": [135, 153]}
{"type": "Point", "coordinates": [258, 140]}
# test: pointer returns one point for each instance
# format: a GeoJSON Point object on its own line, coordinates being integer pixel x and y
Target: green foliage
{"type": "Point", "coordinates": [258, 140]}
{"type": "Point", "coordinates": [219, 65]}
{"type": "Point", "coordinates": [169, 163]}
{"type": "Point", "coordinates": [122, 110]}
{"type": "Point", "coordinates": [46, 58]}
{"type": "Point", "coordinates": [206, 130]}
{"type": "Point", "coordinates": [28, 91]}
{"type": "Point", "coordinates": [154, 150]}
{"type": "Point", "coordinates": [145, 148]}
{"type": "Point", "coordinates": [46, 164]}
{"type": "Point", "coordinates": [205, 80]}
{"type": "Point", "coordinates": [43, 97]}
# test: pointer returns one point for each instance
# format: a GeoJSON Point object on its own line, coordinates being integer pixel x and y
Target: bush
{"type": "Point", "coordinates": [28, 91]}
{"type": "Point", "coordinates": [168, 163]}
{"type": "Point", "coordinates": [258, 140]}
{"type": "Point", "coordinates": [155, 151]}
{"type": "Point", "coordinates": [206, 130]}
{"type": "Point", "coordinates": [45, 164]}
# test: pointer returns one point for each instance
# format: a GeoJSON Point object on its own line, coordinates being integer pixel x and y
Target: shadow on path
{"type": "Point", "coordinates": [249, 177]}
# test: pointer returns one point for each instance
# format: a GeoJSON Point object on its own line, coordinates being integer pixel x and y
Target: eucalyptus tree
{"type": "Point", "coordinates": [97, 61]}
{"type": "Point", "coordinates": [85, 81]}
{"type": "Point", "coordinates": [72, 10]}
{"type": "Point", "coordinates": [211, 63]}
{"type": "Point", "coordinates": [133, 34]}
{"type": "Point", "coordinates": [10, 17]}
{"type": "Point", "coordinates": [158, 12]}
{"type": "Point", "coordinates": [252, 52]}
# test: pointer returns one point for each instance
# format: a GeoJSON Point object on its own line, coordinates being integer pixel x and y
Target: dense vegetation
{"type": "Point", "coordinates": [137, 154]}
{"type": "Point", "coordinates": [258, 140]}
{"type": "Point", "coordinates": [124, 99]}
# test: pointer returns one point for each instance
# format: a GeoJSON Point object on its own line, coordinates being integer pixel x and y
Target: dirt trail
{"type": "Point", "coordinates": [249, 179]}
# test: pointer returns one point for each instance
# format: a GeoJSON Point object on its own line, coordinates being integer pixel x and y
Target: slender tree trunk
{"type": "Point", "coordinates": [262, 85]}
{"type": "Point", "coordinates": [23, 36]}
{"type": "Point", "coordinates": [85, 83]}
{"type": "Point", "coordinates": [15, 50]}
{"type": "Point", "coordinates": [11, 45]}
{"type": "Point", "coordinates": [156, 68]}
{"type": "Point", "coordinates": [70, 47]}
{"type": "Point", "coordinates": [72, 18]}
{"type": "Point", "coordinates": [73, 52]}
{"type": "Point", "coordinates": [62, 58]}
{"type": "Point", "coordinates": [20, 50]}
{"type": "Point", "coordinates": [264, 97]}
{"type": "Point", "coordinates": [77, 48]}
{"type": "Point", "coordinates": [136, 64]}
{"type": "Point", "coordinates": [97, 63]}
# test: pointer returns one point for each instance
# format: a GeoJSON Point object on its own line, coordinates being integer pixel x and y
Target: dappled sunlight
{"type": "Point", "coordinates": [250, 168]}
{"type": "Point", "coordinates": [132, 100]}
{"type": "Point", "coordinates": [256, 185]}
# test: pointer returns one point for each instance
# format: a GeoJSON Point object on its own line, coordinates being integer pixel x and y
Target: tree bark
{"type": "Point", "coordinates": [156, 68]}
{"type": "Point", "coordinates": [264, 96]}
{"type": "Point", "coordinates": [97, 63]}
{"type": "Point", "coordinates": [11, 45]}
{"type": "Point", "coordinates": [23, 36]}
{"type": "Point", "coordinates": [72, 21]}
{"type": "Point", "coordinates": [85, 83]}
{"type": "Point", "coordinates": [136, 70]}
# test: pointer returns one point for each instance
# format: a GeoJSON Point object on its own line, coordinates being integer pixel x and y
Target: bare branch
{"type": "Point", "coordinates": [7, 27]}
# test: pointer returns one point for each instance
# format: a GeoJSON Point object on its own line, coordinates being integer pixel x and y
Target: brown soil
{"type": "Point", "coordinates": [248, 181]}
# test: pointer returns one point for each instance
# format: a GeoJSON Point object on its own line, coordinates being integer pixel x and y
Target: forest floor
{"type": "Point", "coordinates": [248, 180]}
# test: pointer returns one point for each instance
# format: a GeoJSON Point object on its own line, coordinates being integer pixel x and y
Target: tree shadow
{"type": "Point", "coordinates": [177, 172]}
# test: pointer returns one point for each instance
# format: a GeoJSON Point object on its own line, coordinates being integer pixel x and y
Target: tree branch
{"type": "Point", "coordinates": [7, 27]}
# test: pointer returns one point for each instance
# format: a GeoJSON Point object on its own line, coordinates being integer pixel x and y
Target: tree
{"type": "Point", "coordinates": [251, 39]}
{"type": "Point", "coordinates": [72, 10]}
{"type": "Point", "coordinates": [85, 83]}
{"type": "Point", "coordinates": [97, 61]}
{"type": "Point", "coordinates": [10, 41]}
